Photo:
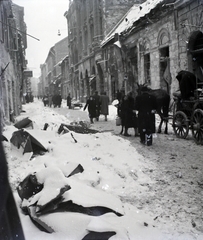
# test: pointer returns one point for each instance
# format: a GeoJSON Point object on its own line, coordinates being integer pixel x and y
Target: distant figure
{"type": "Point", "coordinates": [91, 106]}
{"type": "Point", "coordinates": [45, 100]}
{"type": "Point", "coordinates": [104, 100]}
{"type": "Point", "coordinates": [58, 100]}
{"type": "Point", "coordinates": [31, 97]}
{"type": "Point", "coordinates": [27, 98]}
{"type": "Point", "coordinates": [97, 101]}
{"type": "Point", "coordinates": [69, 101]}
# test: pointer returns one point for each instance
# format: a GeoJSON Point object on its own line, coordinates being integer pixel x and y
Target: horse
{"type": "Point", "coordinates": [162, 102]}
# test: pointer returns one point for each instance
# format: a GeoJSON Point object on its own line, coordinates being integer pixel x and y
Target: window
{"type": "Point", "coordinates": [147, 76]}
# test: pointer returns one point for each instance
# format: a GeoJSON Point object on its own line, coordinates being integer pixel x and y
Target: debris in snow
{"type": "Point", "coordinates": [96, 158]}
{"type": "Point", "coordinates": [24, 123]}
{"type": "Point", "coordinates": [46, 125]}
{"type": "Point", "coordinates": [73, 138]}
{"type": "Point", "coordinates": [76, 128]}
{"type": "Point", "coordinates": [25, 142]}
{"type": "Point", "coordinates": [52, 191]}
{"type": "Point", "coordinates": [2, 138]}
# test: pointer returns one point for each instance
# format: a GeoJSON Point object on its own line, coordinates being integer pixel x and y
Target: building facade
{"type": "Point", "coordinates": [114, 45]}
{"type": "Point", "coordinates": [51, 80]}
{"type": "Point", "coordinates": [162, 39]}
{"type": "Point", "coordinates": [88, 23]}
{"type": "Point", "coordinates": [12, 60]}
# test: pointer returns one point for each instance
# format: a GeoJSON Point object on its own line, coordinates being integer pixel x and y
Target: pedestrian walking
{"type": "Point", "coordinates": [91, 106]}
{"type": "Point", "coordinates": [69, 101]}
{"type": "Point", "coordinates": [98, 104]}
{"type": "Point", "coordinates": [146, 105]}
{"type": "Point", "coordinates": [104, 101]}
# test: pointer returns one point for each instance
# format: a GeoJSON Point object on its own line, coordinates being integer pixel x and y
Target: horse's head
{"type": "Point", "coordinates": [142, 88]}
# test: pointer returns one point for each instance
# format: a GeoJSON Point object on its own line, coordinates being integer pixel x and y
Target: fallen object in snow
{"type": "Point", "coordinates": [60, 196]}
{"type": "Point", "coordinates": [75, 128]}
{"type": "Point", "coordinates": [24, 123]}
{"type": "Point", "coordinates": [26, 143]}
{"type": "Point", "coordinates": [76, 104]}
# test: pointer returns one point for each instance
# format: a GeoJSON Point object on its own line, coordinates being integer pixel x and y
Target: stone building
{"type": "Point", "coordinates": [189, 15]}
{"type": "Point", "coordinates": [88, 23]}
{"type": "Point", "coordinates": [12, 59]}
{"type": "Point", "coordinates": [153, 43]}
{"type": "Point", "coordinates": [51, 77]}
{"type": "Point", "coordinates": [66, 84]}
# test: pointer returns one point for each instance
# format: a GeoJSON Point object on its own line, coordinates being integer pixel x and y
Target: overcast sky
{"type": "Point", "coordinates": [43, 19]}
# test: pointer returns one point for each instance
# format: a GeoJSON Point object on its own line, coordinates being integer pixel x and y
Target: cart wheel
{"type": "Point", "coordinates": [180, 124]}
{"type": "Point", "coordinates": [197, 126]}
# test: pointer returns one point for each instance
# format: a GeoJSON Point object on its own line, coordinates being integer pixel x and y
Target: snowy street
{"type": "Point", "coordinates": [160, 186]}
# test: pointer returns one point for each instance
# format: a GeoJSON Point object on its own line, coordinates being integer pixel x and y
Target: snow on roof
{"type": "Point", "coordinates": [133, 15]}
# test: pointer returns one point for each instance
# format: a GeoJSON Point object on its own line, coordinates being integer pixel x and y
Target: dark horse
{"type": "Point", "coordinates": [163, 102]}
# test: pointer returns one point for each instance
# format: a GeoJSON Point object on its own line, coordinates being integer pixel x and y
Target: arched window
{"type": "Point", "coordinates": [163, 38]}
{"type": "Point", "coordinates": [163, 41]}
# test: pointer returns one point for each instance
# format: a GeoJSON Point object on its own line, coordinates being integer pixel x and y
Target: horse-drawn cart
{"type": "Point", "coordinates": [188, 115]}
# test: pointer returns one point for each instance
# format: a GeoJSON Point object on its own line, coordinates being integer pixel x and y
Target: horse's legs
{"type": "Point", "coordinates": [121, 132]}
{"type": "Point", "coordinates": [166, 127]}
{"type": "Point", "coordinates": [160, 124]}
{"type": "Point", "coordinates": [136, 132]}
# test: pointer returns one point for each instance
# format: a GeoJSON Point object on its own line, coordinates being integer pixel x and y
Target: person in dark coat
{"type": "Point", "coordinates": [146, 106]}
{"type": "Point", "coordinates": [187, 83]}
{"type": "Point", "coordinates": [69, 101]}
{"type": "Point", "coordinates": [57, 100]}
{"type": "Point", "coordinates": [91, 106]}
{"type": "Point", "coordinates": [128, 114]}
{"type": "Point", "coordinates": [119, 96]}
{"type": "Point", "coordinates": [98, 104]}
{"type": "Point", "coordinates": [104, 100]}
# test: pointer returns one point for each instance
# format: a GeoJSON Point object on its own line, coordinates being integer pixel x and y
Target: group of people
{"type": "Point", "coordinates": [97, 105]}
{"type": "Point", "coordinates": [128, 106]}
{"type": "Point", "coordinates": [54, 100]}
{"type": "Point", "coordinates": [144, 121]}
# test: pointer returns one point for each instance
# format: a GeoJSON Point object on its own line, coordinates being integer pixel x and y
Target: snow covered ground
{"type": "Point", "coordinates": [114, 176]}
